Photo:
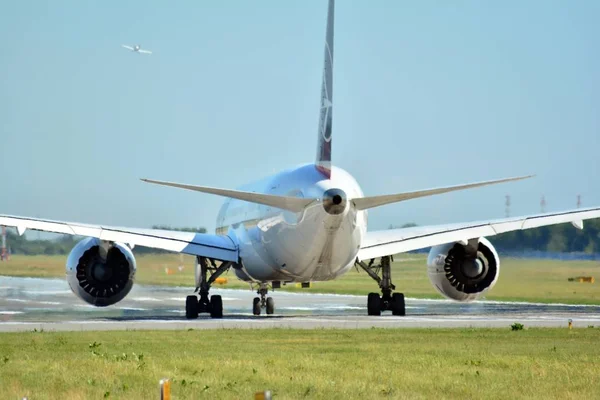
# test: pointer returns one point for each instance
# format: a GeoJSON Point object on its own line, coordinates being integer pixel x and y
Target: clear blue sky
{"type": "Point", "coordinates": [426, 94]}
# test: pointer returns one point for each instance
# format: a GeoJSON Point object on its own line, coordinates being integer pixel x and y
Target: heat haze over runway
{"type": "Point", "coordinates": [34, 303]}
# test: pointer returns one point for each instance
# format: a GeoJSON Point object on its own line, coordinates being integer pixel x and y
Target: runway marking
{"type": "Point", "coordinates": [182, 299]}
{"type": "Point", "coordinates": [324, 307]}
{"type": "Point", "coordinates": [53, 303]}
{"type": "Point", "coordinates": [90, 307]}
{"type": "Point", "coordinates": [500, 302]}
{"type": "Point", "coordinates": [47, 292]}
{"type": "Point", "coordinates": [145, 299]}
{"type": "Point", "coordinates": [10, 312]}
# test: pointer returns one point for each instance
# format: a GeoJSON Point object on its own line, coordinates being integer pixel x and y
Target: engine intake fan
{"type": "Point", "coordinates": [462, 272]}
{"type": "Point", "coordinates": [100, 273]}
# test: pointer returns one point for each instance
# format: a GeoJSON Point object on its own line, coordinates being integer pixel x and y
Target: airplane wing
{"type": "Point", "coordinates": [219, 247]}
{"type": "Point", "coordinates": [127, 47]}
{"type": "Point", "coordinates": [144, 51]}
{"type": "Point", "coordinates": [392, 241]}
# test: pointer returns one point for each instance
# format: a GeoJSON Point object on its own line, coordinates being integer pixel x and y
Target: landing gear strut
{"type": "Point", "coordinates": [393, 302]}
{"type": "Point", "coordinates": [200, 303]}
{"type": "Point", "coordinates": [263, 301]}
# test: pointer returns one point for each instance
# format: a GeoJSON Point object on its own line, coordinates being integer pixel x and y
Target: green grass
{"type": "Point", "coordinates": [520, 280]}
{"type": "Point", "coordinates": [295, 364]}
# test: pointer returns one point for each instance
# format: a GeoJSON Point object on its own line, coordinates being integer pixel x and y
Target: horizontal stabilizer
{"type": "Point", "coordinates": [294, 204]}
{"type": "Point", "coordinates": [364, 203]}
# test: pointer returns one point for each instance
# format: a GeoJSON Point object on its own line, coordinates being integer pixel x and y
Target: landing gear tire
{"type": "Point", "coordinates": [374, 304]}
{"type": "Point", "coordinates": [206, 272]}
{"type": "Point", "coordinates": [398, 306]}
{"type": "Point", "coordinates": [216, 306]}
{"type": "Point", "coordinates": [270, 305]}
{"type": "Point", "coordinates": [263, 301]}
{"type": "Point", "coordinates": [256, 306]}
{"type": "Point", "coordinates": [388, 301]}
{"type": "Point", "coordinates": [191, 307]}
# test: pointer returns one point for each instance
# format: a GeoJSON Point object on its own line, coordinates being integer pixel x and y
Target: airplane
{"type": "Point", "coordinates": [304, 224]}
{"type": "Point", "coordinates": [136, 48]}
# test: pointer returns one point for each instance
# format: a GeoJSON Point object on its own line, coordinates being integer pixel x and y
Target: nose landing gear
{"type": "Point", "coordinates": [388, 301]}
{"type": "Point", "coordinates": [263, 301]}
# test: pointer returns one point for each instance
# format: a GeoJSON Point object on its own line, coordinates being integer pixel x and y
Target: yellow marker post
{"type": "Point", "coordinates": [570, 324]}
{"type": "Point", "coordinates": [266, 395]}
{"type": "Point", "coordinates": [165, 389]}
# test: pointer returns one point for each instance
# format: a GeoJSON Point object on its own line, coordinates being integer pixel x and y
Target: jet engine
{"type": "Point", "coordinates": [463, 272]}
{"type": "Point", "coordinates": [100, 273]}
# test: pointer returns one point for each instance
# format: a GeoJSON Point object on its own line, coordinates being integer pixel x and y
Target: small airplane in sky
{"type": "Point", "coordinates": [136, 48]}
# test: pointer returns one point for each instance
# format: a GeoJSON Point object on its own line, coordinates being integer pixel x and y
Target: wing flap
{"type": "Point", "coordinates": [200, 244]}
{"type": "Point", "coordinates": [383, 243]}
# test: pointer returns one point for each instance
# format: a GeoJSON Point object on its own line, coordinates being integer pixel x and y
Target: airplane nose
{"type": "Point", "coordinates": [334, 201]}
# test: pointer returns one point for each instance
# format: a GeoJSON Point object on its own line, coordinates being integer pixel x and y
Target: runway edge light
{"type": "Point", "coordinates": [165, 389]}
{"type": "Point", "coordinates": [266, 395]}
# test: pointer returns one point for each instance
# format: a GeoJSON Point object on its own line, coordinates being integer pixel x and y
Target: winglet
{"type": "Point", "coordinates": [577, 224]}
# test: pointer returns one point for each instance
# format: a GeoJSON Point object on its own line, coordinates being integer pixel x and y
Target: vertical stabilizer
{"type": "Point", "coordinates": [323, 162]}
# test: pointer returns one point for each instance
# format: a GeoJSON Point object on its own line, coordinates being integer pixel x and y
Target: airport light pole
{"type": "Point", "coordinates": [543, 205]}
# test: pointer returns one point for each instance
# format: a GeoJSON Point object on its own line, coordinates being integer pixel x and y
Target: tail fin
{"type": "Point", "coordinates": [323, 162]}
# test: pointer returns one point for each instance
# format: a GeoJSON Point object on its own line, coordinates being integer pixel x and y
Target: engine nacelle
{"type": "Point", "coordinates": [100, 273]}
{"type": "Point", "coordinates": [459, 275]}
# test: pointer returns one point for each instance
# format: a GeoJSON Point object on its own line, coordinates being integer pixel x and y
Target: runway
{"type": "Point", "coordinates": [33, 303]}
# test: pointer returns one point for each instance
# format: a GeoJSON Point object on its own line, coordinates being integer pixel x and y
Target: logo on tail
{"type": "Point", "coordinates": [323, 162]}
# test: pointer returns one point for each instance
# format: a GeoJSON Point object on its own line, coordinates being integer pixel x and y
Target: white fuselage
{"type": "Point", "coordinates": [278, 245]}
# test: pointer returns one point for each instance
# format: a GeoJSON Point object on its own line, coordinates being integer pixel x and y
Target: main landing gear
{"type": "Point", "coordinates": [200, 303]}
{"type": "Point", "coordinates": [393, 302]}
{"type": "Point", "coordinates": [263, 301]}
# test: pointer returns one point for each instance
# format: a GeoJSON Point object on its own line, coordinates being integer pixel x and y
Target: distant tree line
{"type": "Point", "coordinates": [21, 245]}
{"type": "Point", "coordinates": [563, 238]}
{"type": "Point", "coordinates": [63, 244]}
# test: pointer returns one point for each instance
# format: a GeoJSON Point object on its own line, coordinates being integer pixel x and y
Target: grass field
{"type": "Point", "coordinates": [315, 364]}
{"type": "Point", "coordinates": [520, 280]}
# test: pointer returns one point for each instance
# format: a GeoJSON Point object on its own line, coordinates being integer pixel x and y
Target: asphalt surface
{"type": "Point", "coordinates": [32, 303]}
